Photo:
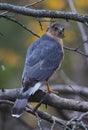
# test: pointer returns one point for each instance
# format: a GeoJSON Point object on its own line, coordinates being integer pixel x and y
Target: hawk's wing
{"type": "Point", "coordinates": [43, 57]}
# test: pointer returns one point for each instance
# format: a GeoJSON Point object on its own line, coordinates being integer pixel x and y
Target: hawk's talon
{"type": "Point", "coordinates": [49, 90]}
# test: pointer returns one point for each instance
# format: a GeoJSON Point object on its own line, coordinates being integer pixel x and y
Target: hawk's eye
{"type": "Point", "coordinates": [62, 29]}
{"type": "Point", "coordinates": [56, 28]}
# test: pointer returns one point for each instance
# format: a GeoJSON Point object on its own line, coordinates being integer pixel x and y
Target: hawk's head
{"type": "Point", "coordinates": [56, 30]}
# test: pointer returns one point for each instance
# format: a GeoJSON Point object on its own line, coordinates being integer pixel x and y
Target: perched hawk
{"type": "Point", "coordinates": [43, 57]}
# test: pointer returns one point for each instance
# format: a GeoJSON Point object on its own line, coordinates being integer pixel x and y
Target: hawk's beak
{"type": "Point", "coordinates": [61, 30]}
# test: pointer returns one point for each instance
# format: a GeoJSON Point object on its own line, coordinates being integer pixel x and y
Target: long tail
{"type": "Point", "coordinates": [22, 100]}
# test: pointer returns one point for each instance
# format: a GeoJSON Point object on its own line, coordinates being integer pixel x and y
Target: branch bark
{"type": "Point", "coordinates": [41, 114]}
{"type": "Point", "coordinates": [44, 13]}
{"type": "Point", "coordinates": [50, 99]}
{"type": "Point", "coordinates": [46, 116]}
{"type": "Point", "coordinates": [8, 96]}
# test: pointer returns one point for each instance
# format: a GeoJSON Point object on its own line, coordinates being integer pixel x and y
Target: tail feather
{"type": "Point", "coordinates": [18, 107]}
{"type": "Point", "coordinates": [22, 100]}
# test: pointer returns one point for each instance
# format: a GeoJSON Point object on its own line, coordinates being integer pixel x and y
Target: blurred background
{"type": "Point", "coordinates": [14, 41]}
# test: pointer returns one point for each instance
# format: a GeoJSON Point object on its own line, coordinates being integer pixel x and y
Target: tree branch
{"type": "Point", "coordinates": [41, 114]}
{"type": "Point", "coordinates": [33, 4]}
{"type": "Point", "coordinates": [46, 116]}
{"type": "Point", "coordinates": [44, 13]}
{"type": "Point", "coordinates": [51, 100]}
{"type": "Point", "coordinates": [76, 50]}
{"type": "Point", "coordinates": [35, 34]}
{"type": "Point", "coordinates": [7, 96]}
{"type": "Point", "coordinates": [20, 24]}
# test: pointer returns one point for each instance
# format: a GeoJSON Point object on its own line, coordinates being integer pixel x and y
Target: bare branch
{"type": "Point", "coordinates": [77, 121]}
{"type": "Point", "coordinates": [51, 99]}
{"type": "Point", "coordinates": [6, 102]}
{"type": "Point", "coordinates": [54, 101]}
{"type": "Point", "coordinates": [42, 115]}
{"type": "Point", "coordinates": [53, 125]}
{"type": "Point", "coordinates": [63, 89]}
{"type": "Point", "coordinates": [44, 13]}
{"type": "Point", "coordinates": [33, 4]}
{"type": "Point", "coordinates": [19, 23]}
{"type": "Point", "coordinates": [46, 116]}
{"type": "Point", "coordinates": [5, 12]}
{"type": "Point", "coordinates": [35, 34]}
{"type": "Point", "coordinates": [75, 50]}
{"type": "Point", "coordinates": [38, 121]}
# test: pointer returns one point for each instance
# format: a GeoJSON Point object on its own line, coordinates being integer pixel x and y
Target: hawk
{"type": "Point", "coordinates": [43, 57]}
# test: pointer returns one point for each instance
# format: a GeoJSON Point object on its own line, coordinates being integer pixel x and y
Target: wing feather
{"type": "Point", "coordinates": [43, 58]}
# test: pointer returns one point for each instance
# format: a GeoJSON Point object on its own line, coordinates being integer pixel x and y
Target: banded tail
{"type": "Point", "coordinates": [22, 100]}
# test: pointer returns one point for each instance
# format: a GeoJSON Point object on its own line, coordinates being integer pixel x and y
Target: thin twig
{"type": "Point", "coordinates": [39, 121]}
{"type": "Point", "coordinates": [81, 44]}
{"type": "Point", "coordinates": [40, 23]}
{"type": "Point", "coordinates": [39, 104]}
{"type": "Point", "coordinates": [46, 116]}
{"type": "Point", "coordinates": [83, 125]}
{"type": "Point", "coordinates": [75, 50]}
{"type": "Point", "coordinates": [37, 2]}
{"type": "Point", "coordinates": [80, 18]}
{"type": "Point", "coordinates": [35, 34]}
{"type": "Point", "coordinates": [53, 125]}
{"type": "Point", "coordinates": [72, 119]}
{"type": "Point", "coordinates": [82, 116]}
{"type": "Point", "coordinates": [77, 122]}
{"type": "Point", "coordinates": [6, 101]}
{"type": "Point", "coordinates": [42, 115]}
{"type": "Point", "coordinates": [3, 13]}
{"type": "Point", "coordinates": [19, 23]}
{"type": "Point", "coordinates": [74, 122]}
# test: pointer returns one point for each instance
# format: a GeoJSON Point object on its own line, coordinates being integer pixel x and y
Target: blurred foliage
{"type": "Point", "coordinates": [82, 5]}
{"type": "Point", "coordinates": [56, 5]}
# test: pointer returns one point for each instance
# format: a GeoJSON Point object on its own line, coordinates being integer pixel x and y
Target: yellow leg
{"type": "Point", "coordinates": [49, 90]}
